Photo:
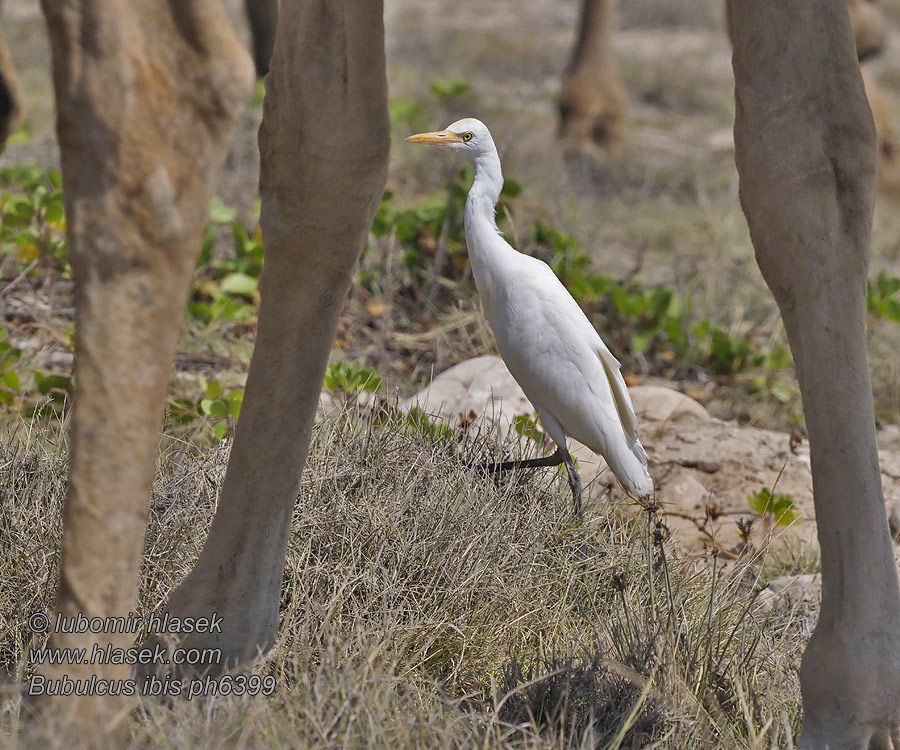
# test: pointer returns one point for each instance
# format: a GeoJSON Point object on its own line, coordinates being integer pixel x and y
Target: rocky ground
{"type": "Point", "coordinates": [704, 468]}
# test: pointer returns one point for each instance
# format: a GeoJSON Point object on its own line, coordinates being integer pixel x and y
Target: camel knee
{"type": "Point", "coordinates": [592, 97]}
{"type": "Point", "coordinates": [10, 95]}
{"type": "Point", "coordinates": [592, 111]}
{"type": "Point", "coordinates": [263, 18]}
{"type": "Point", "coordinates": [869, 28]}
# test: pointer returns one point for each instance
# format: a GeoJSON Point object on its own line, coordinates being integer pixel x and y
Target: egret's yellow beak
{"type": "Point", "coordinates": [438, 138]}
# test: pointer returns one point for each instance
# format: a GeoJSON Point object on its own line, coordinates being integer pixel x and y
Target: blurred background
{"type": "Point", "coordinates": [649, 238]}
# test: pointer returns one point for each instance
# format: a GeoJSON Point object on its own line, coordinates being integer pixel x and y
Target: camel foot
{"type": "Point", "coordinates": [850, 681]}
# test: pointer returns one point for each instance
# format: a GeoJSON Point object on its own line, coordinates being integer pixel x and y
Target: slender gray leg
{"type": "Point", "coordinates": [561, 456]}
{"type": "Point", "coordinates": [574, 483]}
{"type": "Point", "coordinates": [530, 463]}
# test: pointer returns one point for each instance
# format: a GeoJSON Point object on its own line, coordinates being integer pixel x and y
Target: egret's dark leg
{"type": "Point", "coordinates": [561, 456]}
{"type": "Point", "coordinates": [530, 463]}
{"type": "Point", "coordinates": [574, 482]}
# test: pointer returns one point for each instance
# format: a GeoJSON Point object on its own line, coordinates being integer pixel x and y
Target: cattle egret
{"type": "Point", "coordinates": [550, 347]}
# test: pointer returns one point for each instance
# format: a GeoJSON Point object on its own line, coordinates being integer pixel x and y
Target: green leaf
{"type": "Point", "coordinates": [207, 246]}
{"type": "Point", "coordinates": [527, 426]}
{"type": "Point", "coordinates": [259, 92]}
{"type": "Point", "coordinates": [779, 358]}
{"type": "Point", "coordinates": [220, 431]}
{"type": "Point", "coordinates": [239, 283]}
{"type": "Point", "coordinates": [641, 341]}
{"type": "Point", "coordinates": [220, 212]}
{"type": "Point", "coordinates": [780, 506]}
{"type": "Point", "coordinates": [759, 501]}
{"type": "Point", "coordinates": [449, 88]}
{"type": "Point", "coordinates": [235, 400]}
{"type": "Point", "coordinates": [69, 337]}
{"type": "Point", "coordinates": [10, 380]}
{"type": "Point", "coordinates": [213, 389]}
{"type": "Point", "coordinates": [510, 189]}
{"type": "Point", "coordinates": [781, 391]}
{"type": "Point", "coordinates": [218, 408]}
{"type": "Point", "coordinates": [47, 383]}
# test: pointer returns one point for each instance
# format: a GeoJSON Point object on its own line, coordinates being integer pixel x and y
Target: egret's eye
{"type": "Point", "coordinates": [467, 136]}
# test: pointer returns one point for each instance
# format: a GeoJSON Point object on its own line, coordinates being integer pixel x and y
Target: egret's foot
{"type": "Point", "coordinates": [560, 457]}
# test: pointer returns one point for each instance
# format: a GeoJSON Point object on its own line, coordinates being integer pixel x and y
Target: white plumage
{"type": "Point", "coordinates": [550, 347]}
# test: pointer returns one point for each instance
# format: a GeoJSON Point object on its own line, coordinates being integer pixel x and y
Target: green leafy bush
{"type": "Point", "coordinates": [32, 218]}
{"type": "Point", "coordinates": [214, 414]}
{"type": "Point", "coordinates": [347, 377]}
{"type": "Point", "coordinates": [10, 387]}
{"type": "Point", "coordinates": [779, 506]}
{"type": "Point", "coordinates": [881, 296]}
{"type": "Point", "coordinates": [226, 288]}
{"type": "Point", "coordinates": [431, 236]}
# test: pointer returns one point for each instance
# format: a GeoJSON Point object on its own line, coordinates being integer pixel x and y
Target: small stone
{"type": "Point", "coordinates": [659, 404]}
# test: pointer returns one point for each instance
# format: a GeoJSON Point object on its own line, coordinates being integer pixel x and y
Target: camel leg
{"type": "Point", "coordinates": [592, 98]}
{"type": "Point", "coordinates": [869, 27]}
{"type": "Point", "coordinates": [324, 145]}
{"type": "Point", "coordinates": [141, 144]}
{"type": "Point", "coordinates": [263, 17]}
{"type": "Point", "coordinates": [10, 95]}
{"type": "Point", "coordinates": [805, 151]}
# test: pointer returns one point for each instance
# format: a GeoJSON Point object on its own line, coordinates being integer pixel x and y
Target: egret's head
{"type": "Point", "coordinates": [468, 135]}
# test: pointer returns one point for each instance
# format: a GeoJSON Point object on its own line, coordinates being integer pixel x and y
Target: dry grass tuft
{"type": "Point", "coordinates": [426, 606]}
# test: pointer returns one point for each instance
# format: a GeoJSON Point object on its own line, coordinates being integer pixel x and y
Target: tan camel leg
{"type": "Point", "coordinates": [870, 34]}
{"type": "Point", "coordinates": [263, 17]}
{"type": "Point", "coordinates": [141, 143]}
{"type": "Point", "coordinates": [324, 145]}
{"type": "Point", "coordinates": [805, 150]}
{"type": "Point", "coordinates": [592, 99]}
{"type": "Point", "coordinates": [869, 27]}
{"type": "Point", "coordinates": [888, 143]}
{"type": "Point", "coordinates": [10, 95]}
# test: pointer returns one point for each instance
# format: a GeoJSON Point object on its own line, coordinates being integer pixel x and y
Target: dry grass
{"type": "Point", "coordinates": [425, 606]}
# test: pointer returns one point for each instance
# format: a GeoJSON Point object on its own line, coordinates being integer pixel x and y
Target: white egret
{"type": "Point", "coordinates": [550, 347]}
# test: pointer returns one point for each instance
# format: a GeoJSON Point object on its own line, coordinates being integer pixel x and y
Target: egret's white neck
{"type": "Point", "coordinates": [485, 190]}
{"type": "Point", "coordinates": [487, 249]}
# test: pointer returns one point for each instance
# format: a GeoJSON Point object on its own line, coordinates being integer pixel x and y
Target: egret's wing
{"type": "Point", "coordinates": [555, 353]}
{"type": "Point", "coordinates": [619, 390]}
{"type": "Point", "coordinates": [574, 322]}
{"type": "Point", "coordinates": [562, 364]}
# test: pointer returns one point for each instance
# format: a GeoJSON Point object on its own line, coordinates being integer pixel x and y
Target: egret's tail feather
{"type": "Point", "coordinates": [631, 470]}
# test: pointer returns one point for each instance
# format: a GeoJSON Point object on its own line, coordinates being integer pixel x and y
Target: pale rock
{"type": "Point", "coordinates": [683, 490]}
{"type": "Point", "coordinates": [656, 403]}
{"type": "Point", "coordinates": [479, 393]}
